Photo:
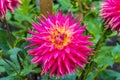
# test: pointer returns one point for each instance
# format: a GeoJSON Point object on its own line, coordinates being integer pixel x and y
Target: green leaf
{"type": "Point", "coordinates": [66, 77]}
{"type": "Point", "coordinates": [104, 57]}
{"type": "Point", "coordinates": [13, 56]}
{"type": "Point", "coordinates": [12, 78]}
{"type": "Point", "coordinates": [8, 15]}
{"type": "Point", "coordinates": [65, 4]}
{"type": "Point", "coordinates": [7, 67]}
{"type": "Point", "coordinates": [91, 75]}
{"type": "Point", "coordinates": [30, 68]}
{"type": "Point", "coordinates": [69, 77]}
{"type": "Point", "coordinates": [4, 40]}
{"type": "Point", "coordinates": [2, 69]}
{"type": "Point", "coordinates": [14, 51]}
{"type": "Point", "coordinates": [116, 53]}
{"type": "Point", "coordinates": [110, 75]}
{"type": "Point", "coordinates": [94, 26]}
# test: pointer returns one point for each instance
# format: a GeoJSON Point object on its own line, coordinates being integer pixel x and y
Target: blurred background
{"type": "Point", "coordinates": [15, 63]}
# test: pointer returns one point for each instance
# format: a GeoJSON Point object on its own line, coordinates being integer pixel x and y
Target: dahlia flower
{"type": "Point", "coordinates": [58, 44]}
{"type": "Point", "coordinates": [6, 5]}
{"type": "Point", "coordinates": [111, 14]}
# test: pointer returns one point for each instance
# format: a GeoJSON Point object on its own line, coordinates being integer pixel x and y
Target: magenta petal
{"type": "Point", "coordinates": [110, 13]}
{"type": "Point", "coordinates": [6, 5]}
{"type": "Point", "coordinates": [58, 44]}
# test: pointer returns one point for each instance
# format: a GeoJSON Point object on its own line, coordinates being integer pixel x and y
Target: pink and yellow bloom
{"type": "Point", "coordinates": [6, 5]}
{"type": "Point", "coordinates": [58, 44]}
{"type": "Point", "coordinates": [111, 14]}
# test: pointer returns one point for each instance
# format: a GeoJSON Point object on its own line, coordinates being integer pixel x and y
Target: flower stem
{"type": "Point", "coordinates": [8, 31]}
{"type": "Point", "coordinates": [89, 67]}
{"type": "Point", "coordinates": [19, 61]}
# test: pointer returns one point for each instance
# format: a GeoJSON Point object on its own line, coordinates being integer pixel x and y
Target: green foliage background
{"type": "Point", "coordinates": [15, 63]}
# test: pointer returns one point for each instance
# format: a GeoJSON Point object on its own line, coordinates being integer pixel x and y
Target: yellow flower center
{"type": "Point", "coordinates": [60, 37]}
